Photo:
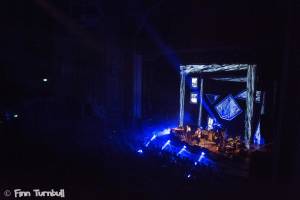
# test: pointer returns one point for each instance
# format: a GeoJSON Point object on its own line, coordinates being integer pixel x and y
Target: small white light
{"type": "Point", "coordinates": [194, 98]}
{"type": "Point", "coordinates": [140, 151]}
{"type": "Point", "coordinates": [194, 82]}
{"type": "Point", "coordinates": [16, 116]}
{"type": "Point", "coordinates": [45, 80]}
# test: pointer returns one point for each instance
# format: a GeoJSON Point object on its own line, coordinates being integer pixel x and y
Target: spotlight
{"type": "Point", "coordinates": [181, 150]}
{"type": "Point", "coordinates": [153, 138]}
{"type": "Point", "coordinates": [166, 131]}
{"type": "Point", "coordinates": [45, 79]}
{"type": "Point", "coordinates": [201, 157]}
{"type": "Point", "coordinates": [147, 144]}
{"type": "Point", "coordinates": [189, 175]}
{"type": "Point", "coordinates": [140, 151]}
{"type": "Point", "coordinates": [166, 144]}
{"type": "Point", "coordinates": [195, 163]}
{"type": "Point", "coordinates": [16, 116]}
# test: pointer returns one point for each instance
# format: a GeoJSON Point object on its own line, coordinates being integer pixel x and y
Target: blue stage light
{"type": "Point", "coordinates": [147, 144]}
{"type": "Point", "coordinates": [195, 163]}
{"type": "Point", "coordinates": [201, 157]}
{"type": "Point", "coordinates": [166, 131]}
{"type": "Point", "coordinates": [165, 145]}
{"type": "Point", "coordinates": [169, 53]}
{"type": "Point", "coordinates": [140, 151]}
{"type": "Point", "coordinates": [257, 139]}
{"type": "Point", "coordinates": [181, 150]}
{"type": "Point", "coordinates": [153, 138]}
{"type": "Point", "coordinates": [209, 111]}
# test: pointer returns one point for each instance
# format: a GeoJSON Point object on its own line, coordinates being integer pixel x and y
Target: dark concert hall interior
{"type": "Point", "coordinates": [158, 99]}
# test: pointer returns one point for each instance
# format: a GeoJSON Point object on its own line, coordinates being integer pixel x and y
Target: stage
{"type": "Point", "coordinates": [205, 155]}
{"type": "Point", "coordinates": [219, 120]}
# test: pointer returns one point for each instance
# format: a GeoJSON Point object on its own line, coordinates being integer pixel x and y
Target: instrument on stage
{"type": "Point", "coordinates": [210, 139]}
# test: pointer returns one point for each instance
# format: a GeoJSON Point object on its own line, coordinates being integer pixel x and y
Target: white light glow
{"type": "Point", "coordinates": [194, 98]}
{"type": "Point", "coordinates": [210, 123]}
{"type": "Point", "coordinates": [194, 82]}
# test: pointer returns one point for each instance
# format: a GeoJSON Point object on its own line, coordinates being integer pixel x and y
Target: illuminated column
{"type": "Point", "coordinates": [249, 103]}
{"type": "Point", "coordinates": [200, 104]}
{"type": "Point", "coordinates": [182, 96]}
{"type": "Point", "coordinates": [262, 110]}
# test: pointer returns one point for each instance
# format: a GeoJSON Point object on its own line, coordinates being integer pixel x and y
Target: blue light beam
{"type": "Point", "coordinates": [153, 138]}
{"type": "Point", "coordinates": [201, 156]}
{"type": "Point", "coordinates": [166, 131]}
{"type": "Point", "coordinates": [181, 150]}
{"type": "Point", "coordinates": [210, 112]}
{"type": "Point", "coordinates": [165, 145]}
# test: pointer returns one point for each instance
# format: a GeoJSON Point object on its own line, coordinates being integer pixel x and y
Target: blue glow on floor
{"type": "Point", "coordinates": [166, 131]}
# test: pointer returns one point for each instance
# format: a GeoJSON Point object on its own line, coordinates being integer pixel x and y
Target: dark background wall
{"type": "Point", "coordinates": [86, 50]}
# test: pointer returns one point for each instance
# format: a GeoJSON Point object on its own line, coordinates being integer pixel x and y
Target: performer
{"type": "Point", "coordinates": [198, 135]}
{"type": "Point", "coordinates": [188, 129]}
{"type": "Point", "coordinates": [188, 133]}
